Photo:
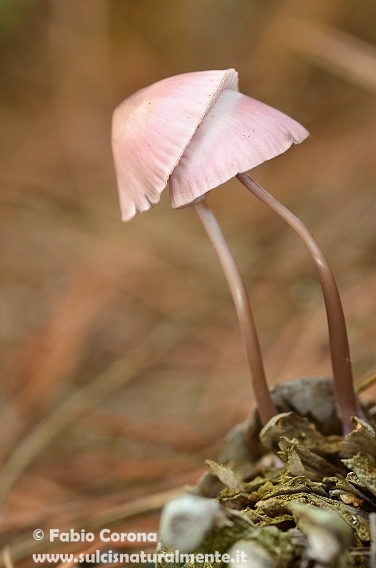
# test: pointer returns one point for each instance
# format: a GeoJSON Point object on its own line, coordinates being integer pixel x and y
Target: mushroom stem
{"type": "Point", "coordinates": [339, 346]}
{"type": "Point", "coordinates": [262, 396]}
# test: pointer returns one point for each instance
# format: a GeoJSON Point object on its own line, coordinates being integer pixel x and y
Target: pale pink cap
{"type": "Point", "coordinates": [196, 131]}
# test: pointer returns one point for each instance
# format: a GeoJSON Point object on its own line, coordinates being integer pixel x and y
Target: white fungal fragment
{"type": "Point", "coordinates": [187, 519]}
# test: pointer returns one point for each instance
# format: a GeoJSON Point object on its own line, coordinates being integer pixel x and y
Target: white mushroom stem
{"type": "Point", "coordinates": [243, 309]}
{"type": "Point", "coordinates": [339, 346]}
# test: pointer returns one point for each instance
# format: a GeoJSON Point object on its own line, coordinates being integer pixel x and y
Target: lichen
{"type": "Point", "coordinates": [307, 504]}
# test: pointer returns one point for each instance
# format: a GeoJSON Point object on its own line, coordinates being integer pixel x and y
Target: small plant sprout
{"type": "Point", "coordinates": [196, 131]}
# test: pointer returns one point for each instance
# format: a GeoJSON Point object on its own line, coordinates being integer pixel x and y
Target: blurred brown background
{"type": "Point", "coordinates": [122, 362]}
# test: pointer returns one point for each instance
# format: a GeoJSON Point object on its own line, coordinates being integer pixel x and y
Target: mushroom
{"type": "Point", "coordinates": [195, 131]}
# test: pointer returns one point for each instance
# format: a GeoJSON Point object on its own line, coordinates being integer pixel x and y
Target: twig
{"type": "Point", "coordinates": [6, 557]}
{"type": "Point", "coordinates": [118, 374]}
{"type": "Point", "coordinates": [333, 50]}
{"type": "Point", "coordinates": [149, 504]}
{"type": "Point", "coordinates": [365, 383]}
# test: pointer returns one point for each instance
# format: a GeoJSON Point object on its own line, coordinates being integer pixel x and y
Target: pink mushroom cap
{"type": "Point", "coordinates": [195, 131]}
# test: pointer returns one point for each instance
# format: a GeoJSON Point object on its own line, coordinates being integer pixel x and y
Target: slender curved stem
{"type": "Point", "coordinates": [243, 309]}
{"type": "Point", "coordinates": [339, 346]}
